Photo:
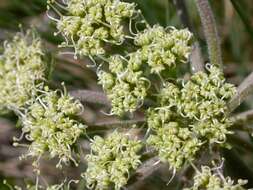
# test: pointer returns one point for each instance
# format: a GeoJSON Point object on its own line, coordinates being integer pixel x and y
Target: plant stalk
{"type": "Point", "coordinates": [210, 32]}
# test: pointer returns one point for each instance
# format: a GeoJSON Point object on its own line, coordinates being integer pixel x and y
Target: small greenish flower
{"type": "Point", "coordinates": [169, 95]}
{"type": "Point", "coordinates": [116, 64]}
{"type": "Point", "coordinates": [211, 179]}
{"type": "Point", "coordinates": [157, 118]}
{"type": "Point", "coordinates": [69, 25]}
{"type": "Point", "coordinates": [49, 125]}
{"type": "Point", "coordinates": [22, 69]}
{"type": "Point", "coordinates": [107, 80]}
{"type": "Point", "coordinates": [76, 7]}
{"type": "Point", "coordinates": [111, 161]}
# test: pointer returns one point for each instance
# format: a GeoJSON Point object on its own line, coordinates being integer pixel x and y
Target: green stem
{"type": "Point", "coordinates": [210, 31]}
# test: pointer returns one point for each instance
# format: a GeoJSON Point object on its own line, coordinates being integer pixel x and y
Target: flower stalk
{"type": "Point", "coordinates": [210, 32]}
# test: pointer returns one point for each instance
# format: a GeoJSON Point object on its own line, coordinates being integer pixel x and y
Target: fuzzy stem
{"type": "Point", "coordinates": [244, 116]}
{"type": "Point", "coordinates": [196, 59]}
{"type": "Point", "coordinates": [210, 32]}
{"type": "Point", "coordinates": [244, 89]}
{"type": "Point", "coordinates": [242, 119]}
{"type": "Point", "coordinates": [123, 123]}
{"type": "Point", "coordinates": [90, 96]}
{"type": "Point", "coordinates": [146, 170]}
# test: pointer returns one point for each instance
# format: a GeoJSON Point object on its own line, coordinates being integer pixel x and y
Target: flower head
{"type": "Point", "coordinates": [22, 69]}
{"type": "Point", "coordinates": [89, 25]}
{"type": "Point", "coordinates": [175, 144]}
{"type": "Point", "coordinates": [50, 125]}
{"type": "Point", "coordinates": [111, 160]}
{"type": "Point", "coordinates": [198, 108]}
{"type": "Point", "coordinates": [209, 179]}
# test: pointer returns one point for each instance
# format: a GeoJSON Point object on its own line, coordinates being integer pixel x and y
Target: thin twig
{"type": "Point", "coordinates": [210, 31]}
{"type": "Point", "coordinates": [244, 89]}
{"type": "Point", "coordinates": [196, 59]}
{"type": "Point", "coordinates": [238, 141]}
{"type": "Point", "coordinates": [90, 97]}
{"type": "Point", "coordinates": [146, 170]}
{"type": "Point", "coordinates": [243, 118]}
{"type": "Point", "coordinates": [122, 123]}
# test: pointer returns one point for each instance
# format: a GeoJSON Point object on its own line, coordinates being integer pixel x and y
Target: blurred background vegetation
{"type": "Point", "coordinates": [235, 26]}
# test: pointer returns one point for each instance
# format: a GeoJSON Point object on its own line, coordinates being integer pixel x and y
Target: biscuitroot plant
{"type": "Point", "coordinates": [142, 70]}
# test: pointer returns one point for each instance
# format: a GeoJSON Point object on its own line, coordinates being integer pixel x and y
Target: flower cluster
{"type": "Point", "coordinates": [50, 125]}
{"type": "Point", "coordinates": [90, 24]}
{"type": "Point", "coordinates": [208, 179]}
{"type": "Point", "coordinates": [22, 70]}
{"type": "Point", "coordinates": [126, 88]}
{"type": "Point", "coordinates": [128, 78]}
{"type": "Point", "coordinates": [198, 108]}
{"type": "Point", "coordinates": [175, 143]}
{"type": "Point", "coordinates": [162, 49]}
{"type": "Point", "coordinates": [111, 160]}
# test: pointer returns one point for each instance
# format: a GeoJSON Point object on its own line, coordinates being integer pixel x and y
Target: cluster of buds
{"type": "Point", "coordinates": [89, 25]}
{"type": "Point", "coordinates": [209, 179]}
{"type": "Point", "coordinates": [22, 70]}
{"type": "Point", "coordinates": [203, 101]}
{"type": "Point", "coordinates": [199, 109]}
{"type": "Point", "coordinates": [49, 124]}
{"type": "Point", "coordinates": [125, 87]}
{"type": "Point", "coordinates": [204, 97]}
{"type": "Point", "coordinates": [163, 48]}
{"type": "Point", "coordinates": [175, 144]}
{"type": "Point", "coordinates": [111, 160]}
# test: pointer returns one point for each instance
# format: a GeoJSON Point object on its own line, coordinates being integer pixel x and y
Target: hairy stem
{"type": "Point", "coordinates": [210, 32]}
{"type": "Point", "coordinates": [243, 118]}
{"type": "Point", "coordinates": [196, 59]}
{"type": "Point", "coordinates": [123, 123]}
{"type": "Point", "coordinates": [90, 97]}
{"type": "Point", "coordinates": [146, 170]}
{"type": "Point", "coordinates": [244, 89]}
